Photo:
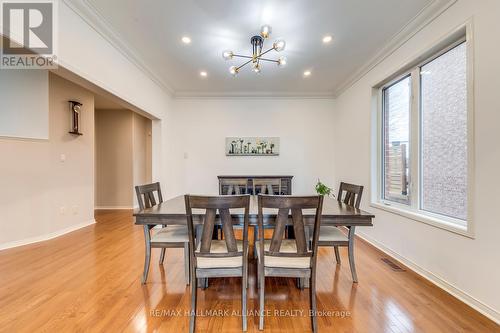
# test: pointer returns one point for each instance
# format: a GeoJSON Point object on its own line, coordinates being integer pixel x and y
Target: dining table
{"type": "Point", "coordinates": [334, 213]}
{"type": "Point", "coordinates": [173, 212]}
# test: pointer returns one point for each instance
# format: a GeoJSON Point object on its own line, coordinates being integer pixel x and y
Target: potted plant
{"type": "Point", "coordinates": [323, 189]}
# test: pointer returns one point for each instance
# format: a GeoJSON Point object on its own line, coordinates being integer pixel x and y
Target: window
{"type": "Point", "coordinates": [443, 151]}
{"type": "Point", "coordinates": [396, 139]}
{"type": "Point", "coordinates": [424, 138]}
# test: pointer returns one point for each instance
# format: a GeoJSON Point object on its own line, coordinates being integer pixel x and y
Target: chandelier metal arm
{"type": "Point", "coordinates": [271, 60]}
{"type": "Point", "coordinates": [246, 63]}
{"type": "Point", "coordinates": [249, 57]}
{"type": "Point", "coordinates": [257, 42]}
{"type": "Point", "coordinates": [242, 56]}
{"type": "Point", "coordinates": [260, 55]}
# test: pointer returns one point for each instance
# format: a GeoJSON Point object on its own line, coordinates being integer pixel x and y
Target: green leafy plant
{"type": "Point", "coordinates": [322, 189]}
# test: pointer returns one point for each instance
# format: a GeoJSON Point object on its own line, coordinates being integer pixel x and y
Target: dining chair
{"type": "Point", "coordinates": [267, 186]}
{"type": "Point", "coordinates": [173, 236]}
{"type": "Point", "coordinates": [349, 194]}
{"type": "Point", "coordinates": [233, 186]}
{"type": "Point", "coordinates": [218, 258]}
{"type": "Point", "coordinates": [288, 257]}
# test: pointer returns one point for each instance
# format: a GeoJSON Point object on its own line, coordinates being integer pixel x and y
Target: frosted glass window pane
{"type": "Point", "coordinates": [396, 136]}
{"type": "Point", "coordinates": [444, 134]}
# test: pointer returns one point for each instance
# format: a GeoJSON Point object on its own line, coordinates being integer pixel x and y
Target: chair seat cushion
{"type": "Point", "coordinates": [171, 234]}
{"type": "Point", "coordinates": [219, 246]}
{"type": "Point", "coordinates": [287, 245]}
{"type": "Point", "coordinates": [332, 234]}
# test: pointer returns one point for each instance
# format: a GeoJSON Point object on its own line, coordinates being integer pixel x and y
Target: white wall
{"type": "Point", "coordinates": [195, 135]}
{"type": "Point", "coordinates": [43, 196]}
{"type": "Point", "coordinates": [85, 52]}
{"type": "Point", "coordinates": [24, 117]}
{"type": "Point", "coordinates": [319, 138]}
{"type": "Point", "coordinates": [37, 214]}
{"type": "Point", "coordinates": [466, 267]}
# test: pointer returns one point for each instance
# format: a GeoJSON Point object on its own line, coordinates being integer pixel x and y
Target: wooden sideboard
{"type": "Point", "coordinates": [286, 183]}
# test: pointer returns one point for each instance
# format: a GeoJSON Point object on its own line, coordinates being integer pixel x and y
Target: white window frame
{"type": "Point", "coordinates": [413, 211]}
{"type": "Point", "coordinates": [410, 141]}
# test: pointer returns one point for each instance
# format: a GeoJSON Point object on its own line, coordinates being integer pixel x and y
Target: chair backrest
{"type": "Point", "coordinates": [145, 195]}
{"type": "Point", "coordinates": [352, 196]}
{"type": "Point", "coordinates": [295, 204]}
{"type": "Point", "coordinates": [233, 186]}
{"type": "Point", "coordinates": [211, 205]}
{"type": "Point", "coordinates": [266, 185]}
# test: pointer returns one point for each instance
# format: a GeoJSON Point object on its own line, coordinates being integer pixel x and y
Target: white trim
{"type": "Point", "coordinates": [426, 16]}
{"type": "Point", "coordinates": [471, 137]}
{"type": "Point", "coordinates": [95, 85]}
{"type": "Point", "coordinates": [438, 281]}
{"type": "Point", "coordinates": [23, 138]}
{"type": "Point", "coordinates": [115, 207]}
{"type": "Point", "coordinates": [425, 52]}
{"type": "Point", "coordinates": [413, 212]}
{"type": "Point", "coordinates": [97, 21]}
{"type": "Point", "coordinates": [46, 237]}
{"type": "Point", "coordinates": [437, 221]}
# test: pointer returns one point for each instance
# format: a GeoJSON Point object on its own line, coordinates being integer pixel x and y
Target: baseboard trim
{"type": "Point", "coordinates": [114, 207]}
{"type": "Point", "coordinates": [45, 237]}
{"type": "Point", "coordinates": [436, 280]}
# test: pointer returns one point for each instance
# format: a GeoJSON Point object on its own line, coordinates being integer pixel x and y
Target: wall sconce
{"type": "Point", "coordinates": [75, 109]}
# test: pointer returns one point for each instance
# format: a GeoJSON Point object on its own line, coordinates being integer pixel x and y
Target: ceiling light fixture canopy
{"type": "Point", "coordinates": [257, 53]}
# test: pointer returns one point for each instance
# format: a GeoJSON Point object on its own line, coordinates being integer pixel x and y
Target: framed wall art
{"type": "Point", "coordinates": [252, 146]}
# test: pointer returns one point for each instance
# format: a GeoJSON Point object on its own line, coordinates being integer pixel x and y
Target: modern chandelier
{"type": "Point", "coordinates": [257, 54]}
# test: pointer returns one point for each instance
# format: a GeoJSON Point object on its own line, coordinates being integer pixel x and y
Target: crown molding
{"type": "Point", "coordinates": [428, 14]}
{"type": "Point", "coordinates": [98, 22]}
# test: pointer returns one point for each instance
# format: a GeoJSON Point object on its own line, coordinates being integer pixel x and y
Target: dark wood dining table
{"type": "Point", "coordinates": [173, 212]}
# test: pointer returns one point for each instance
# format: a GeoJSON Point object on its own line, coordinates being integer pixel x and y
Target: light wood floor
{"type": "Point", "coordinates": [89, 281]}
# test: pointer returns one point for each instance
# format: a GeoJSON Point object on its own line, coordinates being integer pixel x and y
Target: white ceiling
{"type": "Point", "coordinates": [152, 31]}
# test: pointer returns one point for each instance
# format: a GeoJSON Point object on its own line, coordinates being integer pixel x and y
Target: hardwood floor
{"type": "Point", "coordinates": [89, 280]}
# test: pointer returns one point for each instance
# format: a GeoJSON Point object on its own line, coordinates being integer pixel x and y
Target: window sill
{"type": "Point", "coordinates": [430, 220]}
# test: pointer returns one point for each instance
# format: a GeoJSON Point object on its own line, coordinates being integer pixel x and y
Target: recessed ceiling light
{"type": "Point", "coordinates": [186, 40]}
{"type": "Point", "coordinates": [203, 74]}
{"type": "Point", "coordinates": [307, 73]}
{"type": "Point", "coordinates": [327, 39]}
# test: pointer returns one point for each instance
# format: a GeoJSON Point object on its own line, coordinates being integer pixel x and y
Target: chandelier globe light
{"type": "Point", "coordinates": [257, 56]}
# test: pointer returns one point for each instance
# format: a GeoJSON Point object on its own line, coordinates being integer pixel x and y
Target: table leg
{"type": "Point", "coordinates": [187, 263]}
{"type": "Point", "coordinates": [351, 254]}
{"type": "Point", "coordinates": [147, 254]}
